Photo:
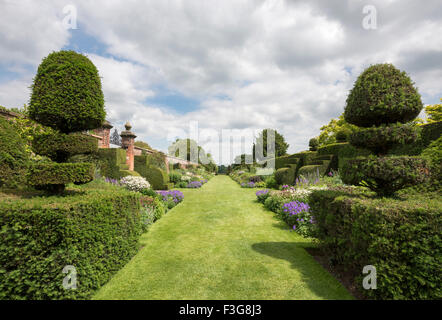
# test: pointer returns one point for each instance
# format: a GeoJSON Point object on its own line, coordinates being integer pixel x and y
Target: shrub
{"type": "Point", "coordinates": [175, 177]}
{"type": "Point", "coordinates": [54, 176]}
{"type": "Point", "coordinates": [385, 175]}
{"type": "Point", "coordinates": [313, 144]}
{"type": "Point", "coordinates": [434, 156]}
{"type": "Point", "coordinates": [342, 136]}
{"type": "Point", "coordinates": [157, 177]}
{"type": "Point", "coordinates": [382, 95]}
{"type": "Point", "coordinates": [297, 215]}
{"type": "Point", "coordinates": [66, 93]}
{"type": "Point", "coordinates": [400, 237]}
{"type": "Point", "coordinates": [94, 230]}
{"type": "Point", "coordinates": [59, 147]}
{"type": "Point", "coordinates": [262, 195]}
{"type": "Point", "coordinates": [112, 161]}
{"type": "Point", "coordinates": [271, 182]}
{"type": "Point", "coordinates": [284, 176]}
{"type": "Point", "coordinates": [134, 183]}
{"type": "Point", "coordinates": [13, 156]}
{"type": "Point", "coordinates": [381, 139]}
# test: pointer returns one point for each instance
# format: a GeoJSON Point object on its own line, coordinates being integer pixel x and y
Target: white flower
{"type": "Point", "coordinates": [135, 183]}
{"type": "Point", "coordinates": [185, 178]}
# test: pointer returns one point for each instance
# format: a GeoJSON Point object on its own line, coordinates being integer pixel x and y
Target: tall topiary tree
{"type": "Point", "coordinates": [313, 144]}
{"type": "Point", "coordinates": [66, 96]}
{"type": "Point", "coordinates": [382, 101]}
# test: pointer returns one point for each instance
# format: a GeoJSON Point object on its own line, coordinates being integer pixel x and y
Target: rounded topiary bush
{"type": "Point", "coordinates": [313, 144]}
{"type": "Point", "coordinates": [381, 139]}
{"type": "Point", "coordinates": [382, 94]}
{"type": "Point", "coordinates": [13, 156]}
{"type": "Point", "coordinates": [284, 176]}
{"type": "Point", "coordinates": [66, 93]}
{"type": "Point", "coordinates": [385, 175]}
{"type": "Point", "coordinates": [342, 136]}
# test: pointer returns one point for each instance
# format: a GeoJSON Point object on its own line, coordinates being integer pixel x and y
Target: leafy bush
{"type": "Point", "coordinates": [297, 215]}
{"type": "Point", "coordinates": [112, 161]}
{"type": "Point", "coordinates": [175, 177]}
{"type": "Point", "coordinates": [382, 95]}
{"type": "Point", "coordinates": [434, 156]}
{"type": "Point", "coordinates": [284, 176]}
{"type": "Point", "coordinates": [381, 139]}
{"type": "Point", "coordinates": [53, 176]}
{"type": "Point", "coordinates": [96, 230]}
{"type": "Point", "coordinates": [262, 195]}
{"type": "Point", "coordinates": [342, 136]}
{"type": "Point", "coordinates": [313, 144]}
{"type": "Point", "coordinates": [59, 147]}
{"type": "Point", "coordinates": [13, 157]}
{"type": "Point", "coordinates": [400, 237]}
{"type": "Point", "coordinates": [66, 93]}
{"type": "Point", "coordinates": [134, 183]}
{"type": "Point", "coordinates": [158, 178]}
{"type": "Point", "coordinates": [385, 175]}
{"type": "Point", "coordinates": [271, 182]}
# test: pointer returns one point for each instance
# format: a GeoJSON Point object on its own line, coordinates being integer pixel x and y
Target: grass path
{"type": "Point", "coordinates": [221, 244]}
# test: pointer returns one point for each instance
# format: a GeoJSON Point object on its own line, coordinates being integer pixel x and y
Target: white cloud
{"type": "Point", "coordinates": [253, 64]}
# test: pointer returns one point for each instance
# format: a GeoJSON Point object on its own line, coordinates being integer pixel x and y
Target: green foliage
{"type": "Point", "coordinates": [307, 170]}
{"type": "Point", "coordinates": [434, 156]}
{"type": "Point", "coordinates": [142, 144]}
{"type": "Point", "coordinates": [382, 95]}
{"type": "Point", "coordinates": [341, 151]}
{"type": "Point", "coordinates": [434, 112]}
{"type": "Point", "coordinates": [285, 176]}
{"type": "Point", "coordinates": [156, 159]}
{"type": "Point", "coordinates": [189, 150]}
{"type": "Point", "coordinates": [158, 178]}
{"type": "Point", "coordinates": [66, 93]}
{"type": "Point", "coordinates": [400, 237]}
{"type": "Point", "coordinates": [59, 146]}
{"type": "Point", "coordinates": [381, 139]}
{"type": "Point", "coordinates": [342, 136]}
{"type": "Point", "coordinates": [94, 230]}
{"type": "Point", "coordinates": [285, 161]}
{"type": "Point", "coordinates": [280, 148]}
{"type": "Point", "coordinates": [329, 132]}
{"type": "Point", "coordinates": [313, 144]}
{"type": "Point", "coordinates": [14, 159]}
{"type": "Point", "coordinates": [175, 176]}
{"type": "Point", "coordinates": [53, 176]}
{"type": "Point", "coordinates": [112, 163]}
{"type": "Point", "coordinates": [385, 175]}
{"type": "Point", "coordinates": [430, 132]}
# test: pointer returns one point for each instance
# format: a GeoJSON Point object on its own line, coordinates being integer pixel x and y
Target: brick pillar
{"type": "Point", "coordinates": [127, 142]}
{"type": "Point", "coordinates": [106, 134]}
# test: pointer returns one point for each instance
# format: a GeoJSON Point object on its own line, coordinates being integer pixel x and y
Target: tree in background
{"type": "Point", "coordinates": [115, 138]}
{"type": "Point", "coordinates": [330, 131]}
{"type": "Point", "coordinates": [280, 145]}
{"type": "Point", "coordinates": [142, 144]}
{"type": "Point", "coordinates": [434, 112]}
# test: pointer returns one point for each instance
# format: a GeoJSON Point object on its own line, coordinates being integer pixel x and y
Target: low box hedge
{"type": "Point", "coordinates": [158, 178]}
{"type": "Point", "coordinates": [111, 162]}
{"type": "Point", "coordinates": [400, 237]}
{"type": "Point", "coordinates": [60, 173]}
{"type": "Point", "coordinates": [94, 230]}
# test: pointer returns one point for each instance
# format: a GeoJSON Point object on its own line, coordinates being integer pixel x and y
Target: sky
{"type": "Point", "coordinates": [167, 66]}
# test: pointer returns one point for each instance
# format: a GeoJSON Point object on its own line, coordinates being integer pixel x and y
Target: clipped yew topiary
{"type": "Point", "coordinates": [313, 144]}
{"type": "Point", "coordinates": [382, 101]}
{"type": "Point", "coordinates": [67, 97]}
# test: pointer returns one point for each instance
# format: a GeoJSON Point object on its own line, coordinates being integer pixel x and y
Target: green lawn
{"type": "Point", "coordinates": [222, 244]}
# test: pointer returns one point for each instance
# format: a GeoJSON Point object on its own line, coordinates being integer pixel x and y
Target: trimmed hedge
{"type": "Point", "coordinates": [59, 147]}
{"type": "Point", "coordinates": [430, 132]}
{"type": "Point", "coordinates": [381, 139]}
{"type": "Point", "coordinates": [382, 94]}
{"type": "Point", "coordinates": [158, 178]}
{"type": "Point", "coordinates": [94, 230]}
{"type": "Point", "coordinates": [402, 239]}
{"type": "Point", "coordinates": [60, 173]}
{"type": "Point", "coordinates": [66, 93]}
{"type": "Point", "coordinates": [341, 151]}
{"type": "Point", "coordinates": [385, 175]}
{"type": "Point", "coordinates": [13, 156]}
{"type": "Point", "coordinates": [306, 170]}
{"type": "Point", "coordinates": [284, 161]}
{"type": "Point", "coordinates": [112, 162]}
{"type": "Point", "coordinates": [285, 176]}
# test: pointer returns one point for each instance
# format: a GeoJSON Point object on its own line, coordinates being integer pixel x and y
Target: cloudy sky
{"type": "Point", "coordinates": [233, 64]}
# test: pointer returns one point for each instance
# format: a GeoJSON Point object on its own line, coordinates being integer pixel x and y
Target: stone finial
{"type": "Point", "coordinates": [128, 126]}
